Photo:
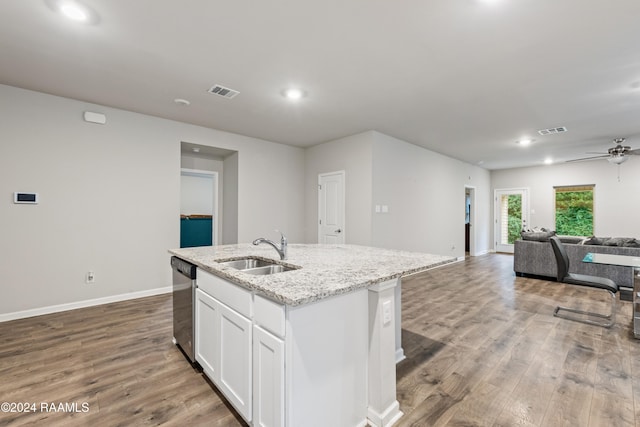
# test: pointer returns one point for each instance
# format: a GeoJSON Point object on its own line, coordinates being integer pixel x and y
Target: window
{"type": "Point", "coordinates": [511, 218]}
{"type": "Point", "coordinates": [574, 210]}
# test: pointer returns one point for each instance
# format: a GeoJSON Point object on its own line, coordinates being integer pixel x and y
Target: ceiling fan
{"type": "Point", "coordinates": [618, 154]}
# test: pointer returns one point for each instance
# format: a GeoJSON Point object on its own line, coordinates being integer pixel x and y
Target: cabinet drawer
{"type": "Point", "coordinates": [226, 292]}
{"type": "Point", "coordinates": [269, 315]}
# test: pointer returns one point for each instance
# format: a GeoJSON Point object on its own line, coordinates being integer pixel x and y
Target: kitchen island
{"type": "Point", "coordinates": [315, 345]}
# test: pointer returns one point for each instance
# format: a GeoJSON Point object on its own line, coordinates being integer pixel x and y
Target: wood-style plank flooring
{"type": "Point", "coordinates": [482, 346]}
{"type": "Point", "coordinates": [484, 349]}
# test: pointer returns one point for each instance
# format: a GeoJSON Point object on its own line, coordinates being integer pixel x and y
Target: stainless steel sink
{"type": "Point", "coordinates": [257, 266]}
{"type": "Point", "coordinates": [246, 263]}
{"type": "Point", "coordinates": [268, 269]}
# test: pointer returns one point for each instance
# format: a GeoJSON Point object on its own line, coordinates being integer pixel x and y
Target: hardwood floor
{"type": "Point", "coordinates": [117, 358]}
{"type": "Point", "coordinates": [483, 349]}
{"type": "Point", "coordinates": [482, 346]}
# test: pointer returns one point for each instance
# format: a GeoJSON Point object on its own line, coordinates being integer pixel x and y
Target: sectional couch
{"type": "Point", "coordinates": [535, 258]}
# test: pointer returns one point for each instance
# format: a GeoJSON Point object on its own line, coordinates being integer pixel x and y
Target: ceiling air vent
{"type": "Point", "coordinates": [551, 131]}
{"type": "Point", "coordinates": [224, 92]}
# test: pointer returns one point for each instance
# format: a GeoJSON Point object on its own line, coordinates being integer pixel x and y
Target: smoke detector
{"type": "Point", "coordinates": [551, 131]}
{"type": "Point", "coordinates": [224, 92]}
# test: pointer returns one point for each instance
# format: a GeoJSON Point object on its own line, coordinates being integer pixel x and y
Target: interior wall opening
{"type": "Point", "coordinates": [209, 183]}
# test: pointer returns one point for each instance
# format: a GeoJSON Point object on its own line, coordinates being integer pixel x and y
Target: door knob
{"type": "Point", "coordinates": [338, 231]}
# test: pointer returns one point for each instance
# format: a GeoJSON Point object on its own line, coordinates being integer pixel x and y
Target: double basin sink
{"type": "Point", "coordinates": [256, 266]}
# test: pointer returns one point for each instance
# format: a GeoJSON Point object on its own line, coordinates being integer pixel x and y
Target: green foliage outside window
{"type": "Point", "coordinates": [574, 212]}
{"type": "Point", "coordinates": [514, 215]}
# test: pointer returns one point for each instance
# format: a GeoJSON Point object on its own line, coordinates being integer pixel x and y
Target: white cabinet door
{"type": "Point", "coordinates": [268, 379]}
{"type": "Point", "coordinates": [235, 359]}
{"type": "Point", "coordinates": [208, 334]}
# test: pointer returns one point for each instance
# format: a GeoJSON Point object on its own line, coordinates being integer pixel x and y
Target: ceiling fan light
{"type": "Point", "coordinates": [617, 159]}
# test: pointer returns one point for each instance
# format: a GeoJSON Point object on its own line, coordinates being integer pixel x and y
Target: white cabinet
{"type": "Point", "coordinates": [279, 366]}
{"type": "Point", "coordinates": [268, 379]}
{"type": "Point", "coordinates": [235, 359]}
{"type": "Point", "coordinates": [268, 363]}
{"type": "Point", "coordinates": [207, 334]}
{"type": "Point", "coordinates": [224, 340]}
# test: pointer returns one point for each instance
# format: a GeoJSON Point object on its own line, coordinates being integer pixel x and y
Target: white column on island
{"type": "Point", "coordinates": [399, 350]}
{"type": "Point", "coordinates": [383, 407]}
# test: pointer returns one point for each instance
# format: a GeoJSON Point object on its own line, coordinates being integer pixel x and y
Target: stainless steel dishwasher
{"type": "Point", "coordinates": [184, 290]}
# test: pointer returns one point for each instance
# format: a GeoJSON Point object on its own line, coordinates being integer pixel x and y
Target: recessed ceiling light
{"type": "Point", "coordinates": [182, 102]}
{"type": "Point", "coordinates": [524, 141]}
{"type": "Point", "coordinates": [294, 94]}
{"type": "Point", "coordinates": [548, 161]}
{"type": "Point", "coordinates": [74, 11]}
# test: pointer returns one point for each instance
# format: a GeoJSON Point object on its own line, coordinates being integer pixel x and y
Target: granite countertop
{"type": "Point", "coordinates": [324, 270]}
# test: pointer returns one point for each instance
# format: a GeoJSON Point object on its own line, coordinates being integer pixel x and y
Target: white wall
{"type": "Point", "coordinates": [616, 204]}
{"type": "Point", "coordinates": [229, 214]}
{"type": "Point", "coordinates": [354, 156]}
{"type": "Point", "coordinates": [202, 162]}
{"type": "Point", "coordinates": [110, 198]}
{"type": "Point", "coordinates": [425, 193]}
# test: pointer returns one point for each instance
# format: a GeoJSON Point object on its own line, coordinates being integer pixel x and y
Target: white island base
{"type": "Point", "coordinates": [325, 363]}
{"type": "Point", "coordinates": [316, 345]}
{"type": "Point", "coordinates": [342, 360]}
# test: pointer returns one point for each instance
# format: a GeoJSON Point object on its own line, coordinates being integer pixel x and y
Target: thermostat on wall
{"type": "Point", "coordinates": [31, 198]}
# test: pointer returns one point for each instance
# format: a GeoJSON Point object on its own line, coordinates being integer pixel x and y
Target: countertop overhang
{"type": "Point", "coordinates": [324, 270]}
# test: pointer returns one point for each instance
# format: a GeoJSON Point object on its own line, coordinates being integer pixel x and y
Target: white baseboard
{"type": "Point", "coordinates": [480, 253]}
{"type": "Point", "coordinates": [82, 304]}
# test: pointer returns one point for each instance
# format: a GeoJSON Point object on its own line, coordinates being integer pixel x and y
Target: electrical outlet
{"type": "Point", "coordinates": [90, 278]}
{"type": "Point", "coordinates": [386, 313]}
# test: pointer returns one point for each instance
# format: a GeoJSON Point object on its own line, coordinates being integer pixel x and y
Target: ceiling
{"type": "Point", "coordinates": [465, 78]}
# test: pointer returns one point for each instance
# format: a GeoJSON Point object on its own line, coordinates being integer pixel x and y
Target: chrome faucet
{"type": "Point", "coordinates": [282, 250]}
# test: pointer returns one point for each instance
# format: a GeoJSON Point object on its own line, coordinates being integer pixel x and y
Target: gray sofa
{"type": "Point", "coordinates": [536, 258]}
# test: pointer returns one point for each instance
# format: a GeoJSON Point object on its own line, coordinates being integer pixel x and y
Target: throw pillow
{"type": "Point", "coordinates": [633, 243]}
{"type": "Point", "coordinates": [617, 241]}
{"type": "Point", "coordinates": [537, 236]}
{"type": "Point", "coordinates": [572, 240]}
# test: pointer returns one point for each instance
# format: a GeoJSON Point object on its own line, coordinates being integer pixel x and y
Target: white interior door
{"type": "Point", "coordinates": [511, 215]}
{"type": "Point", "coordinates": [331, 208]}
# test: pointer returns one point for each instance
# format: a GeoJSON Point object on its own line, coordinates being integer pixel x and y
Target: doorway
{"type": "Point", "coordinates": [331, 208]}
{"type": "Point", "coordinates": [198, 208]}
{"type": "Point", "coordinates": [469, 220]}
{"type": "Point", "coordinates": [223, 164]}
{"type": "Point", "coordinates": [511, 214]}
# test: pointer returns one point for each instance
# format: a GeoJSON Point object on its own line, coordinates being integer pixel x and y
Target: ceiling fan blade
{"type": "Point", "coordinates": [596, 152]}
{"type": "Point", "coordinates": [635, 152]}
{"type": "Point", "coordinates": [589, 158]}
